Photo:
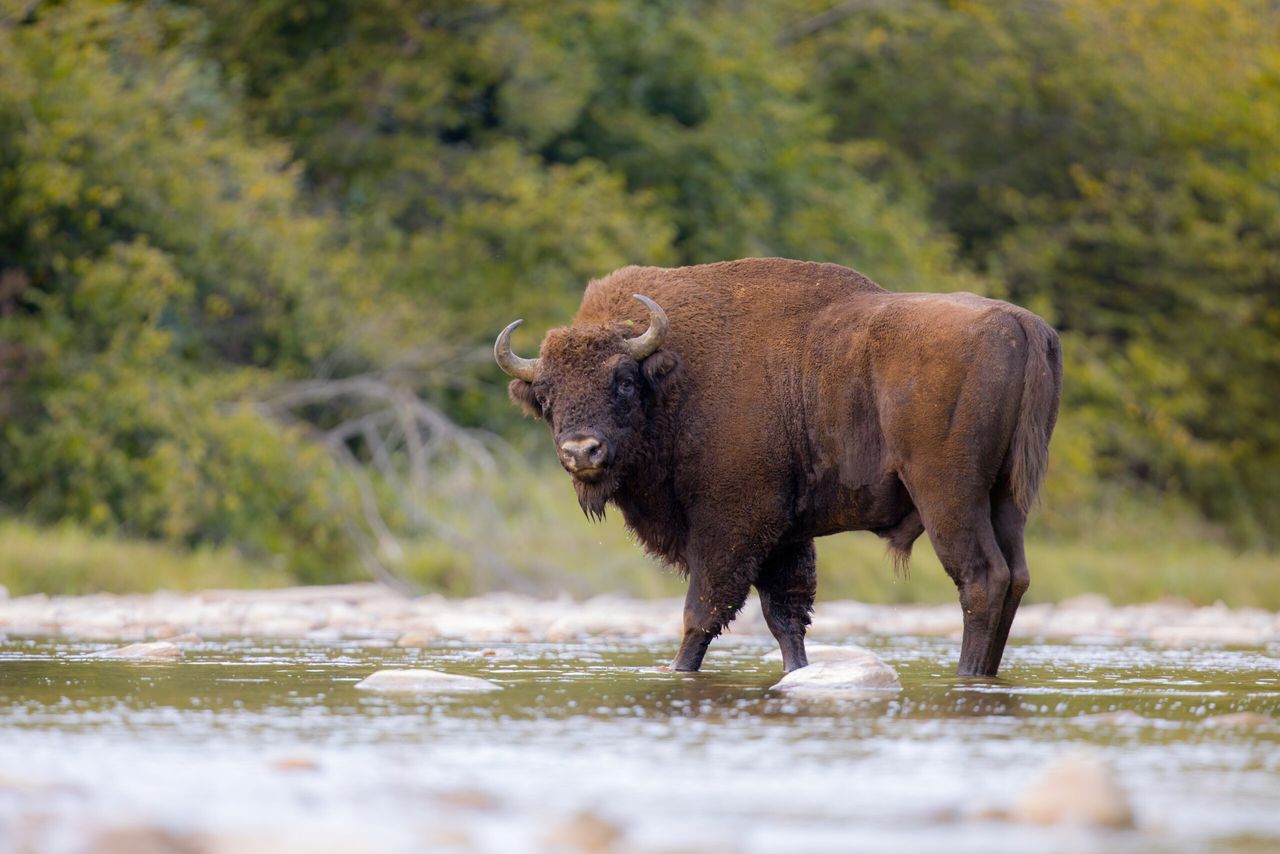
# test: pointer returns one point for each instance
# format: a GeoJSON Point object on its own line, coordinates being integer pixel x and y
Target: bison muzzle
{"type": "Point", "coordinates": [733, 412]}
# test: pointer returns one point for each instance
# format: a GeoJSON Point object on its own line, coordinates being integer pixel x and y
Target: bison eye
{"type": "Point", "coordinates": [543, 404]}
{"type": "Point", "coordinates": [626, 387]}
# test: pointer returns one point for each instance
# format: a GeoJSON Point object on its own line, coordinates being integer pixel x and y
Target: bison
{"type": "Point", "coordinates": [735, 411]}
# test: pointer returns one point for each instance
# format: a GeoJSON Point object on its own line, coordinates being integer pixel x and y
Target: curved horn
{"type": "Point", "coordinates": [521, 369]}
{"type": "Point", "coordinates": [643, 346]}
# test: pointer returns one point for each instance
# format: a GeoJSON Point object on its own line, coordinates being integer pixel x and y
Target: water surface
{"type": "Point", "coordinates": [270, 740]}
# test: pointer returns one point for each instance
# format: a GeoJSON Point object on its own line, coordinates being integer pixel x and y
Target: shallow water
{"type": "Point", "coordinates": [258, 740]}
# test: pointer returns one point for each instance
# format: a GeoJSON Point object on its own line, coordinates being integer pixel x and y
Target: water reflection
{"type": "Point", "coordinates": [578, 726]}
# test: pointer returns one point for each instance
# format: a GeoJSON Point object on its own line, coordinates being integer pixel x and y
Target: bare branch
{"type": "Point", "coordinates": [830, 18]}
{"type": "Point", "coordinates": [405, 436]}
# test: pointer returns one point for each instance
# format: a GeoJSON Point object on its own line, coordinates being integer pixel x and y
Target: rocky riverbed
{"type": "Point", "coordinates": [340, 719]}
{"type": "Point", "coordinates": [371, 612]}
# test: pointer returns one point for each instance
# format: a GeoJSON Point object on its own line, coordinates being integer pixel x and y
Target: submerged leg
{"type": "Point", "coordinates": [716, 595]}
{"type": "Point", "coordinates": [966, 544]}
{"type": "Point", "coordinates": [1008, 522]}
{"type": "Point", "coordinates": [787, 585]}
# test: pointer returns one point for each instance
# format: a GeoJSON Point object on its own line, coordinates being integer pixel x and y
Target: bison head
{"type": "Point", "coordinates": [600, 390]}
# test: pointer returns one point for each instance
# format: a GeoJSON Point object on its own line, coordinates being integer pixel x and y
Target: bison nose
{"type": "Point", "coordinates": [583, 452]}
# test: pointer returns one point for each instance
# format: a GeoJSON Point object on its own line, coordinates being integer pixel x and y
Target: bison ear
{"type": "Point", "coordinates": [659, 370]}
{"type": "Point", "coordinates": [521, 394]}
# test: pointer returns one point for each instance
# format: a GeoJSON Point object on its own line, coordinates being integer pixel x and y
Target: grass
{"type": "Point", "coordinates": [66, 559]}
{"type": "Point", "coordinates": [1128, 547]}
{"type": "Point", "coordinates": [854, 566]}
{"type": "Point", "coordinates": [521, 529]}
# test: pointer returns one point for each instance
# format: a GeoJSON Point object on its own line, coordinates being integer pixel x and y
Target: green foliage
{"type": "Point", "coordinates": [156, 262]}
{"type": "Point", "coordinates": [201, 201]}
{"type": "Point", "coordinates": [495, 134]}
{"type": "Point", "coordinates": [1114, 166]}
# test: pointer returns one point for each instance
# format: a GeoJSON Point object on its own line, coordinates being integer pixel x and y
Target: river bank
{"type": "Point", "coordinates": [371, 612]}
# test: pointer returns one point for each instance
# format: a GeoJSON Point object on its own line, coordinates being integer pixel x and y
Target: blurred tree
{"type": "Point", "coordinates": [492, 134]}
{"type": "Point", "coordinates": [160, 267]}
{"type": "Point", "coordinates": [201, 202]}
{"type": "Point", "coordinates": [1114, 166]}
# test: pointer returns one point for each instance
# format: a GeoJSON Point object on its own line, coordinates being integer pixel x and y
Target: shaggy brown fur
{"type": "Point", "coordinates": [792, 400]}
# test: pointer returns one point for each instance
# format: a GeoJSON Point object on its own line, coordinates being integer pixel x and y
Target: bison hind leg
{"type": "Point", "coordinates": [901, 537]}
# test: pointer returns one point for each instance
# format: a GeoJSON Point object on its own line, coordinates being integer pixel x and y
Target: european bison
{"type": "Point", "coordinates": [767, 402]}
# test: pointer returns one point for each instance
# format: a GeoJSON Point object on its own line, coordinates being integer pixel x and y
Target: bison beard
{"type": "Point", "coordinates": [768, 402]}
{"type": "Point", "coordinates": [592, 497]}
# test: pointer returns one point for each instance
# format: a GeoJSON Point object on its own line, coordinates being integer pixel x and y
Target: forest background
{"type": "Point", "coordinates": [253, 255]}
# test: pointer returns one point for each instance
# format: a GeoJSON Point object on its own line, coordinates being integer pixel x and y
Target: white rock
{"type": "Point", "coordinates": [585, 832]}
{"type": "Point", "coordinates": [1238, 720]}
{"type": "Point", "coordinates": [158, 650]}
{"type": "Point", "coordinates": [423, 681]}
{"type": "Point", "coordinates": [1118, 718]}
{"type": "Point", "coordinates": [286, 627]}
{"type": "Point", "coordinates": [1225, 635]}
{"type": "Point", "coordinates": [932, 621]}
{"type": "Point", "coordinates": [1085, 602]}
{"type": "Point", "coordinates": [1076, 789]}
{"type": "Point", "coordinates": [860, 675]}
{"type": "Point", "coordinates": [598, 622]}
{"type": "Point", "coordinates": [418, 638]}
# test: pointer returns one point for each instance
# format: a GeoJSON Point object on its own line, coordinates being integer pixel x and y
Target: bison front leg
{"type": "Point", "coordinates": [716, 594]}
{"type": "Point", "coordinates": [787, 585]}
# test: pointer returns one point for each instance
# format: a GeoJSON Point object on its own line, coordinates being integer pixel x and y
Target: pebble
{"type": "Point", "coordinates": [417, 639]}
{"type": "Point", "coordinates": [423, 681]}
{"type": "Point", "coordinates": [1076, 789]}
{"type": "Point", "coordinates": [467, 799]}
{"type": "Point", "coordinates": [295, 763]}
{"type": "Point", "coordinates": [860, 672]}
{"type": "Point", "coordinates": [584, 832]}
{"type": "Point", "coordinates": [1238, 720]}
{"type": "Point", "coordinates": [367, 611]}
{"type": "Point", "coordinates": [144, 840]}
{"type": "Point", "coordinates": [154, 651]}
{"type": "Point", "coordinates": [1121, 717]}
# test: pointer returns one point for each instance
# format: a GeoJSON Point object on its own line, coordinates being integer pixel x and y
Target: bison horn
{"type": "Point", "coordinates": [643, 346]}
{"type": "Point", "coordinates": [521, 369]}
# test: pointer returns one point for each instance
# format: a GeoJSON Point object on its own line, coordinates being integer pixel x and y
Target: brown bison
{"type": "Point", "coordinates": [735, 411]}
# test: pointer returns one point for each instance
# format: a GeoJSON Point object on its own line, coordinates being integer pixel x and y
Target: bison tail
{"type": "Point", "coordinates": [1038, 412]}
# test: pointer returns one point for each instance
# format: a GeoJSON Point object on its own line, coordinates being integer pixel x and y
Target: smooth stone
{"type": "Point", "coordinates": [1085, 602]}
{"type": "Point", "coordinates": [599, 623]}
{"type": "Point", "coordinates": [862, 675]}
{"type": "Point", "coordinates": [585, 832]}
{"type": "Point", "coordinates": [423, 681]}
{"type": "Point", "coordinates": [1121, 717]}
{"type": "Point", "coordinates": [467, 799]}
{"type": "Point", "coordinates": [1224, 635]}
{"type": "Point", "coordinates": [1236, 720]}
{"type": "Point", "coordinates": [145, 840]}
{"type": "Point", "coordinates": [1076, 789]}
{"type": "Point", "coordinates": [299, 762]}
{"type": "Point", "coordinates": [288, 628]}
{"type": "Point", "coordinates": [156, 650]}
{"type": "Point", "coordinates": [418, 638]}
